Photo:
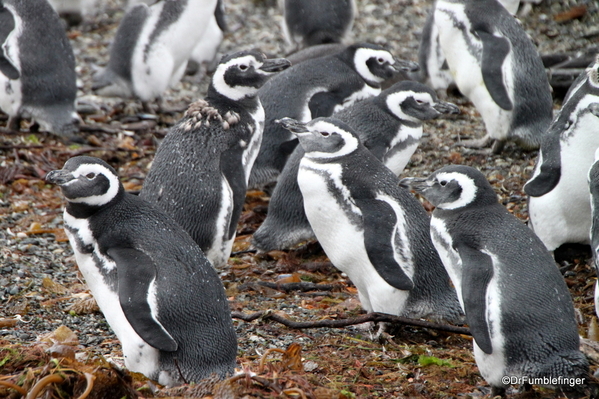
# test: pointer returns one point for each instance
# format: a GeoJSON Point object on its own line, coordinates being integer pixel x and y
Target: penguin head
{"type": "Point", "coordinates": [59, 119]}
{"type": "Point", "coordinates": [323, 138]}
{"type": "Point", "coordinates": [415, 102]}
{"type": "Point", "coordinates": [87, 180]}
{"type": "Point", "coordinates": [241, 74]}
{"type": "Point", "coordinates": [375, 64]}
{"type": "Point", "coordinates": [454, 187]}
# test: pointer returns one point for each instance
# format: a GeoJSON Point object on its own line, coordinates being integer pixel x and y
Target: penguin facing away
{"type": "Point", "coordinates": [594, 189]}
{"type": "Point", "coordinates": [314, 88]}
{"type": "Point", "coordinates": [371, 229]}
{"type": "Point", "coordinates": [312, 22]}
{"type": "Point", "coordinates": [495, 64]}
{"type": "Point", "coordinates": [558, 203]}
{"type": "Point", "coordinates": [157, 290]}
{"type": "Point", "coordinates": [389, 125]}
{"type": "Point", "coordinates": [37, 67]}
{"type": "Point", "coordinates": [151, 48]}
{"type": "Point", "coordinates": [516, 302]}
{"type": "Point", "coordinates": [200, 172]}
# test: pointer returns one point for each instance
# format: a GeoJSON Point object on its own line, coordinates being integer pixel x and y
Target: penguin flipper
{"type": "Point", "coordinates": [550, 169]}
{"type": "Point", "coordinates": [7, 25]}
{"type": "Point", "coordinates": [379, 230]}
{"type": "Point", "coordinates": [495, 51]}
{"type": "Point", "coordinates": [477, 271]}
{"type": "Point", "coordinates": [136, 273]}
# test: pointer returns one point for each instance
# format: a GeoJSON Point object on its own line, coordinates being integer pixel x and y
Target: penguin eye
{"type": "Point", "coordinates": [90, 175]}
{"type": "Point", "coordinates": [325, 134]}
{"type": "Point", "coordinates": [443, 183]}
{"type": "Point", "coordinates": [243, 67]}
{"type": "Point", "coordinates": [419, 102]}
{"type": "Point", "coordinates": [380, 60]}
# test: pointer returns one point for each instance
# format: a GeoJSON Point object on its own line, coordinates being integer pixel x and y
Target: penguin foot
{"type": "Point", "coordinates": [474, 143]}
{"type": "Point", "coordinates": [14, 123]}
{"type": "Point", "coordinates": [497, 392]}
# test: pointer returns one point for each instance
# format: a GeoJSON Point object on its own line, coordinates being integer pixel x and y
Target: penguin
{"type": "Point", "coordinates": [558, 204]}
{"type": "Point", "coordinates": [73, 11]}
{"type": "Point", "coordinates": [204, 53]}
{"type": "Point", "coordinates": [37, 68]}
{"type": "Point", "coordinates": [434, 70]}
{"type": "Point", "coordinates": [516, 302]}
{"type": "Point", "coordinates": [370, 228]}
{"type": "Point", "coordinates": [155, 287]}
{"type": "Point", "coordinates": [312, 22]}
{"type": "Point", "coordinates": [593, 178]}
{"type": "Point", "coordinates": [389, 125]}
{"type": "Point", "coordinates": [495, 64]}
{"type": "Point", "coordinates": [314, 88]}
{"type": "Point", "coordinates": [213, 147]}
{"type": "Point", "coordinates": [151, 48]}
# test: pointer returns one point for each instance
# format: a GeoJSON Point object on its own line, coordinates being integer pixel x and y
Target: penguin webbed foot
{"type": "Point", "coordinates": [498, 392]}
{"type": "Point", "coordinates": [474, 143]}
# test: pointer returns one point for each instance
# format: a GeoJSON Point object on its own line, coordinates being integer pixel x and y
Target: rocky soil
{"type": "Point", "coordinates": [42, 290]}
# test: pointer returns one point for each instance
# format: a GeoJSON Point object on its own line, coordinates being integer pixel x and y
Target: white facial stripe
{"type": "Point", "coordinates": [468, 190]}
{"type": "Point", "coordinates": [364, 54]}
{"type": "Point", "coordinates": [237, 92]}
{"type": "Point", "coordinates": [395, 100]}
{"type": "Point", "coordinates": [351, 142]}
{"type": "Point", "coordinates": [105, 198]}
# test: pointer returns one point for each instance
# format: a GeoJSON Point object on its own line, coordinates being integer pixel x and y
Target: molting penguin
{"type": "Point", "coordinates": [314, 88]}
{"type": "Point", "coordinates": [37, 67]}
{"type": "Point", "coordinates": [389, 125]}
{"type": "Point", "coordinates": [594, 188]}
{"type": "Point", "coordinates": [495, 64]}
{"type": "Point", "coordinates": [157, 290]}
{"type": "Point", "coordinates": [312, 22]}
{"type": "Point", "coordinates": [516, 302]}
{"type": "Point", "coordinates": [558, 204]}
{"type": "Point", "coordinates": [200, 173]}
{"type": "Point", "coordinates": [369, 227]}
{"type": "Point", "coordinates": [151, 48]}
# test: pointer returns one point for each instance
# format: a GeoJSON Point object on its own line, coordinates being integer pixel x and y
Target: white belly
{"type": "Point", "coordinates": [220, 250]}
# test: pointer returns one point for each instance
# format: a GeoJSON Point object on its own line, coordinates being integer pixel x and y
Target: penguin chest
{"type": "Point", "coordinates": [449, 256]}
{"type": "Point", "coordinates": [219, 251]}
{"type": "Point", "coordinates": [402, 148]}
{"type": "Point", "coordinates": [11, 97]}
{"type": "Point", "coordinates": [439, 76]}
{"type": "Point", "coordinates": [253, 146]}
{"type": "Point", "coordinates": [139, 356]}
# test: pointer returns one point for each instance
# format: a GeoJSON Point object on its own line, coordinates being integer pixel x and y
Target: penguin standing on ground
{"type": "Point", "coordinates": [516, 302]}
{"type": "Point", "coordinates": [151, 48]}
{"type": "Point", "coordinates": [389, 125]}
{"type": "Point", "coordinates": [312, 22]}
{"type": "Point", "coordinates": [558, 203]}
{"type": "Point", "coordinates": [37, 67]}
{"type": "Point", "coordinates": [200, 173]}
{"type": "Point", "coordinates": [495, 64]}
{"type": "Point", "coordinates": [370, 228]}
{"type": "Point", "coordinates": [314, 88]}
{"type": "Point", "coordinates": [157, 290]}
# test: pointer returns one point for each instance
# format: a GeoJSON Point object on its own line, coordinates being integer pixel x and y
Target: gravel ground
{"type": "Point", "coordinates": [40, 285]}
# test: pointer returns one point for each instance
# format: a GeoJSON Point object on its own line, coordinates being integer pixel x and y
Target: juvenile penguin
{"type": "Point", "coordinates": [213, 148]}
{"type": "Point", "coordinates": [151, 48]}
{"type": "Point", "coordinates": [314, 88]}
{"type": "Point", "coordinates": [311, 22]}
{"type": "Point", "coordinates": [370, 228]}
{"type": "Point", "coordinates": [495, 64]}
{"type": "Point", "coordinates": [516, 302]}
{"type": "Point", "coordinates": [558, 203]}
{"type": "Point", "coordinates": [389, 125]}
{"type": "Point", "coordinates": [157, 290]}
{"type": "Point", "coordinates": [594, 188]}
{"type": "Point", "coordinates": [37, 67]}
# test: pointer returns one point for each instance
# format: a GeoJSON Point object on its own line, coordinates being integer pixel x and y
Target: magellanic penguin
{"type": "Point", "coordinates": [516, 302]}
{"type": "Point", "coordinates": [200, 173]}
{"type": "Point", "coordinates": [312, 22]}
{"type": "Point", "coordinates": [314, 88]}
{"type": "Point", "coordinates": [594, 188]}
{"type": "Point", "coordinates": [157, 290]}
{"type": "Point", "coordinates": [37, 67]}
{"type": "Point", "coordinates": [558, 204]}
{"type": "Point", "coordinates": [495, 64]}
{"type": "Point", "coordinates": [389, 125]}
{"type": "Point", "coordinates": [434, 70]}
{"type": "Point", "coordinates": [151, 48]}
{"type": "Point", "coordinates": [369, 227]}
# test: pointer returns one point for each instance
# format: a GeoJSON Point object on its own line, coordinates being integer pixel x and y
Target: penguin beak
{"type": "Point", "coordinates": [59, 177]}
{"type": "Point", "coordinates": [443, 107]}
{"type": "Point", "coordinates": [275, 65]}
{"type": "Point", "coordinates": [405, 66]}
{"type": "Point", "coordinates": [414, 183]}
{"type": "Point", "coordinates": [293, 126]}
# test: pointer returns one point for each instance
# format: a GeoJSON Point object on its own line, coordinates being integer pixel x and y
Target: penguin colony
{"type": "Point", "coordinates": [472, 261]}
